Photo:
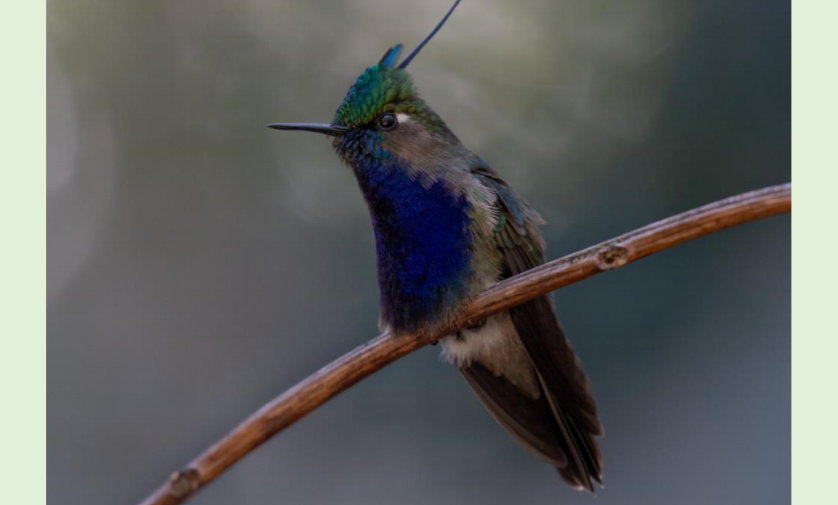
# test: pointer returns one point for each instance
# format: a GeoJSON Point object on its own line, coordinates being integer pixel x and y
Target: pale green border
{"type": "Point", "coordinates": [23, 252]}
{"type": "Point", "coordinates": [814, 283]}
{"type": "Point", "coordinates": [814, 252]}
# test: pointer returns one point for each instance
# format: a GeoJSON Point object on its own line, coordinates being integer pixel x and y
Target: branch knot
{"type": "Point", "coordinates": [182, 483]}
{"type": "Point", "coordinates": [611, 257]}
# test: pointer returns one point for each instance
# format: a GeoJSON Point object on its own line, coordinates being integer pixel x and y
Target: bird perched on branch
{"type": "Point", "coordinates": [446, 228]}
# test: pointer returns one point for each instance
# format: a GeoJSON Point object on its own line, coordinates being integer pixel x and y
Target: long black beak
{"type": "Point", "coordinates": [324, 128]}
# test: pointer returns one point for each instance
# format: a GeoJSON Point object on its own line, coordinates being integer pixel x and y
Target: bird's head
{"type": "Point", "coordinates": [382, 115]}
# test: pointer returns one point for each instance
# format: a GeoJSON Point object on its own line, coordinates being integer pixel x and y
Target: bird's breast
{"type": "Point", "coordinates": [423, 245]}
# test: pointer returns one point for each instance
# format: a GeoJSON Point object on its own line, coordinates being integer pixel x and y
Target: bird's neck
{"type": "Point", "coordinates": [423, 242]}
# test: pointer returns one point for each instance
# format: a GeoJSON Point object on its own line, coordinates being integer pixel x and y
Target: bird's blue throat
{"type": "Point", "coordinates": [422, 241]}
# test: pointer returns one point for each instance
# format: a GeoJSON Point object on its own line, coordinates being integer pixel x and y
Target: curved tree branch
{"type": "Point", "coordinates": [336, 377]}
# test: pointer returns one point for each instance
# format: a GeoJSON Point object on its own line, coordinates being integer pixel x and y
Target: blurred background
{"type": "Point", "coordinates": [200, 264]}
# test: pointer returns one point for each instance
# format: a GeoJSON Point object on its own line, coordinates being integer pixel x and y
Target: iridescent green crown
{"type": "Point", "coordinates": [381, 88]}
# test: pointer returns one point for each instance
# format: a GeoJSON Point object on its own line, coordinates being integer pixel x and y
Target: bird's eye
{"type": "Point", "coordinates": [387, 121]}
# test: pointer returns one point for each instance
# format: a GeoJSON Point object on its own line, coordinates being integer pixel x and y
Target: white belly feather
{"type": "Point", "coordinates": [496, 346]}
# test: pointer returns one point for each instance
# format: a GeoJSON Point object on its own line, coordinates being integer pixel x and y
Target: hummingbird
{"type": "Point", "coordinates": [446, 228]}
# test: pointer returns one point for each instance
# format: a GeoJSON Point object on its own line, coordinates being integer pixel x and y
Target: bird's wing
{"type": "Point", "coordinates": [528, 420]}
{"type": "Point", "coordinates": [568, 393]}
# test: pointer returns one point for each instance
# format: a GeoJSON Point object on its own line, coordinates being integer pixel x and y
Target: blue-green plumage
{"type": "Point", "coordinates": [446, 228]}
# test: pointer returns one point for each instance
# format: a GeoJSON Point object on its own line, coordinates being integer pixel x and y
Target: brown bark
{"type": "Point", "coordinates": [339, 375]}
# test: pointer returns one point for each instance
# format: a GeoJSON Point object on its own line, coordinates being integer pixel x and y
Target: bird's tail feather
{"type": "Point", "coordinates": [566, 387]}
